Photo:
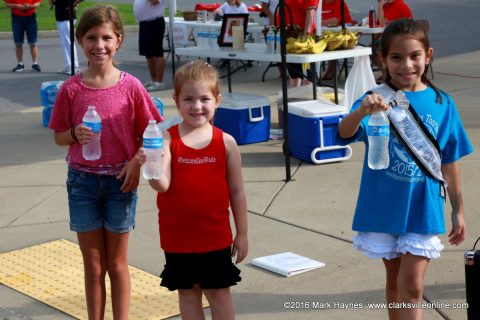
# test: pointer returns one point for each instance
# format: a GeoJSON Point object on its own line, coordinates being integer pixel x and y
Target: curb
{"type": "Point", "coordinates": [6, 35]}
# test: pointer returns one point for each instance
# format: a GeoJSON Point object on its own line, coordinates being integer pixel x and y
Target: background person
{"type": "Point", "coordinates": [268, 10]}
{"type": "Point", "coordinates": [405, 235]}
{"type": "Point", "coordinates": [102, 193]}
{"type": "Point", "coordinates": [195, 233]}
{"type": "Point", "coordinates": [390, 10]}
{"type": "Point", "coordinates": [62, 14]}
{"type": "Point", "coordinates": [150, 15]}
{"type": "Point", "coordinates": [303, 14]}
{"type": "Point", "coordinates": [231, 6]}
{"type": "Point", "coordinates": [332, 16]}
{"type": "Point", "coordinates": [24, 21]}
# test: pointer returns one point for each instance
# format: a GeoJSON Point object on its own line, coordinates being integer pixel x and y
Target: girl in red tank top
{"type": "Point", "coordinates": [201, 181]}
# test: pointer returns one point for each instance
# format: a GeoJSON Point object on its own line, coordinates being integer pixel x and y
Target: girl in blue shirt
{"type": "Point", "coordinates": [400, 210]}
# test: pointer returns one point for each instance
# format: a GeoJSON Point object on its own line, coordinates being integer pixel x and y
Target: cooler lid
{"type": "Point", "coordinates": [239, 101]}
{"type": "Point", "coordinates": [315, 109]}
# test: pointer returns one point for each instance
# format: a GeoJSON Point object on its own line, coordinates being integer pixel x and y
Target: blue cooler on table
{"type": "Point", "coordinates": [48, 94]}
{"type": "Point", "coordinates": [312, 126]}
{"type": "Point", "coordinates": [245, 116]}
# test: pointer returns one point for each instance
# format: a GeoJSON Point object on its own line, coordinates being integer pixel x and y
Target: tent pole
{"type": "Point", "coordinates": [283, 66]}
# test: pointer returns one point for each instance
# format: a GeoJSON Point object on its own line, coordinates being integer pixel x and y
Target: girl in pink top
{"type": "Point", "coordinates": [201, 179]}
{"type": "Point", "coordinates": [102, 193]}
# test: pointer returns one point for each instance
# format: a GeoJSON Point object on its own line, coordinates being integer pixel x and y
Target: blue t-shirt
{"type": "Point", "coordinates": [402, 198]}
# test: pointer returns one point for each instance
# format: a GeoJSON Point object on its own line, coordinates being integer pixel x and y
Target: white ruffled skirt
{"type": "Point", "coordinates": [388, 246]}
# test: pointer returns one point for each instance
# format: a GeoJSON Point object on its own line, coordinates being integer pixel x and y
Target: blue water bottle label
{"type": "Point", "coordinates": [379, 131]}
{"type": "Point", "coordinates": [95, 126]}
{"type": "Point", "coordinates": [153, 143]}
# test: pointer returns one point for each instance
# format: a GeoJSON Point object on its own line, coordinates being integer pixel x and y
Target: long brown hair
{"type": "Point", "coordinates": [98, 15]}
{"type": "Point", "coordinates": [416, 29]}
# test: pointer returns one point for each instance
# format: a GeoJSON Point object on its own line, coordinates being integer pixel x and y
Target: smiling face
{"type": "Point", "coordinates": [100, 44]}
{"type": "Point", "coordinates": [196, 103]}
{"type": "Point", "coordinates": [405, 62]}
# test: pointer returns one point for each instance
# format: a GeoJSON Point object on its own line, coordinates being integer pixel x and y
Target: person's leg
{"type": "Point", "coordinates": [34, 53]}
{"type": "Point", "coordinates": [18, 37]}
{"type": "Point", "coordinates": [63, 28]}
{"type": "Point", "coordinates": [156, 66]}
{"type": "Point", "coordinates": [190, 302]}
{"type": "Point", "coordinates": [19, 53]}
{"type": "Point", "coordinates": [392, 268]}
{"type": "Point", "coordinates": [221, 303]}
{"type": "Point", "coordinates": [117, 268]}
{"type": "Point", "coordinates": [92, 246]}
{"type": "Point", "coordinates": [31, 29]}
{"type": "Point", "coordinates": [410, 283]}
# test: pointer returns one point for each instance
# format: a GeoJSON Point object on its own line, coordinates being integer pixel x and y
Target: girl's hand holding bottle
{"type": "Point", "coordinates": [83, 133]}
{"type": "Point", "coordinates": [372, 103]}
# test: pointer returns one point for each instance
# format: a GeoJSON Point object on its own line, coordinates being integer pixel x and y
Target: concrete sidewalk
{"type": "Point", "coordinates": [310, 215]}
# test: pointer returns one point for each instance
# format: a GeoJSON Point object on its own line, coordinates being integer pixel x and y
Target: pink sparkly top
{"type": "Point", "coordinates": [125, 109]}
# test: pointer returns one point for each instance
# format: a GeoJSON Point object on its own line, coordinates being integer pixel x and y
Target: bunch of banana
{"type": "Point", "coordinates": [299, 46]}
{"type": "Point", "coordinates": [344, 39]}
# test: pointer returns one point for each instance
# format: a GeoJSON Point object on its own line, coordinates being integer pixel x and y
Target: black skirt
{"type": "Point", "coordinates": [211, 270]}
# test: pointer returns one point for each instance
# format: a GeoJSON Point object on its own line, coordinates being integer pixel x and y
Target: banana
{"type": "Point", "coordinates": [319, 47]}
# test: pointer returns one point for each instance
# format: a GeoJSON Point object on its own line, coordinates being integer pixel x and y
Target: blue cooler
{"type": "Point", "coordinates": [312, 126]}
{"type": "Point", "coordinates": [48, 92]}
{"type": "Point", "coordinates": [245, 116]}
{"type": "Point", "coordinates": [159, 104]}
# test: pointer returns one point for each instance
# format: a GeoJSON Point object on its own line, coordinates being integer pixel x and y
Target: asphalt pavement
{"type": "Point", "coordinates": [310, 215]}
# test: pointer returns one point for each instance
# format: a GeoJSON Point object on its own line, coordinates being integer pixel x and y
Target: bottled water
{"type": "Point", "coordinates": [203, 39]}
{"type": "Point", "coordinates": [270, 41]}
{"type": "Point", "coordinates": [92, 150]}
{"type": "Point", "coordinates": [153, 146]}
{"type": "Point", "coordinates": [378, 136]}
{"type": "Point", "coordinates": [213, 34]}
{"type": "Point", "coordinates": [277, 43]}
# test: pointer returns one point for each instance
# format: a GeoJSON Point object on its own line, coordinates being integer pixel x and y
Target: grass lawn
{"type": "Point", "coordinates": [46, 17]}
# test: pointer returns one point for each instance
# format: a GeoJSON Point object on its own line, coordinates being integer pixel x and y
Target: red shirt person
{"type": "Point", "coordinates": [390, 10]}
{"type": "Point", "coordinates": [331, 13]}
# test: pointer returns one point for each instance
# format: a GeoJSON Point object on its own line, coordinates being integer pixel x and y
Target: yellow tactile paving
{"type": "Point", "coordinates": [53, 274]}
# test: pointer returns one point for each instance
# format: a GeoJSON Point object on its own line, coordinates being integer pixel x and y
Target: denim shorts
{"type": "Point", "coordinates": [22, 25]}
{"type": "Point", "coordinates": [96, 201]}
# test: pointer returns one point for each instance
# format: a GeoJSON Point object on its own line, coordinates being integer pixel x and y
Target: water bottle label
{"type": "Point", "coordinates": [270, 37]}
{"type": "Point", "coordinates": [95, 126]}
{"type": "Point", "coordinates": [379, 131]}
{"type": "Point", "coordinates": [153, 143]}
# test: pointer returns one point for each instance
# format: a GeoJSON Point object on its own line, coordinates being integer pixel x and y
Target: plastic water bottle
{"type": "Point", "coordinates": [213, 34]}
{"type": "Point", "coordinates": [378, 136]}
{"type": "Point", "coordinates": [372, 18]}
{"type": "Point", "coordinates": [270, 41]}
{"type": "Point", "coordinates": [277, 42]}
{"type": "Point", "coordinates": [203, 38]}
{"type": "Point", "coordinates": [92, 150]}
{"type": "Point", "coordinates": [153, 146]}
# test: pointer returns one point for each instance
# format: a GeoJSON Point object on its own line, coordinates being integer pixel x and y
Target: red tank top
{"type": "Point", "coordinates": [193, 213]}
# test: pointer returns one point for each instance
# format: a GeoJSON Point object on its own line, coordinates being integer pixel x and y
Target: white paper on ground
{"type": "Point", "coordinates": [287, 263]}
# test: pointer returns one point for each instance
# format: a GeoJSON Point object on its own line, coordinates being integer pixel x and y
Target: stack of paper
{"type": "Point", "coordinates": [287, 263]}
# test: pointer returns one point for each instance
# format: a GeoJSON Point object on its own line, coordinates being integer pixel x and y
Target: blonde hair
{"type": "Point", "coordinates": [98, 15]}
{"type": "Point", "coordinates": [197, 70]}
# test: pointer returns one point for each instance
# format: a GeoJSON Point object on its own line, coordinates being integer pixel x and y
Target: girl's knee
{"type": "Point", "coordinates": [218, 296]}
{"type": "Point", "coordinates": [412, 287]}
